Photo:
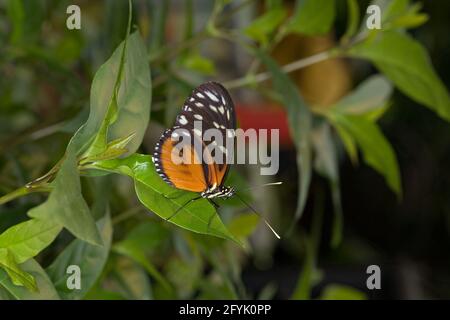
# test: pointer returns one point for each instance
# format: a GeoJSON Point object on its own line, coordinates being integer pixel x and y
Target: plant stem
{"type": "Point", "coordinates": [287, 68]}
{"type": "Point", "coordinates": [22, 191]}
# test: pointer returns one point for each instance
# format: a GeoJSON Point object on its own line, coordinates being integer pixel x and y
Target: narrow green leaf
{"type": "Point", "coordinates": [46, 289]}
{"type": "Point", "coordinates": [66, 205]}
{"type": "Point", "coordinates": [376, 149]}
{"type": "Point", "coordinates": [406, 63]}
{"type": "Point", "coordinates": [300, 121]}
{"type": "Point", "coordinates": [370, 95]}
{"type": "Point", "coordinates": [326, 164]}
{"type": "Point", "coordinates": [90, 258]}
{"type": "Point", "coordinates": [352, 19]}
{"type": "Point", "coordinates": [312, 17]}
{"type": "Point", "coordinates": [25, 240]}
{"type": "Point", "coordinates": [243, 225]}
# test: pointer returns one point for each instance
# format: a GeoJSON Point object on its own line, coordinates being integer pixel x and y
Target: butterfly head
{"type": "Point", "coordinates": [218, 192]}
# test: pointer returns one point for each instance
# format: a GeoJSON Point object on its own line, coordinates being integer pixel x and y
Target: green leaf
{"type": "Point", "coordinates": [90, 258]}
{"type": "Point", "coordinates": [376, 149]}
{"type": "Point", "coordinates": [17, 276]}
{"type": "Point", "coordinates": [133, 250]}
{"type": "Point", "coordinates": [121, 96]}
{"type": "Point", "coordinates": [243, 225]}
{"type": "Point", "coordinates": [66, 205]}
{"type": "Point", "coordinates": [300, 121]}
{"type": "Point", "coordinates": [261, 28]}
{"type": "Point", "coordinates": [352, 19]}
{"type": "Point", "coordinates": [370, 95]}
{"type": "Point", "coordinates": [132, 280]}
{"type": "Point", "coordinates": [312, 17]}
{"type": "Point", "coordinates": [46, 289]}
{"type": "Point", "coordinates": [326, 164]}
{"type": "Point", "coordinates": [25, 240]}
{"type": "Point", "coordinates": [341, 292]}
{"type": "Point", "coordinates": [195, 62]}
{"type": "Point", "coordinates": [406, 63]}
{"type": "Point", "coordinates": [198, 216]}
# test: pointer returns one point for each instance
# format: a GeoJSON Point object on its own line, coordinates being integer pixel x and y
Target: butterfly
{"type": "Point", "coordinates": [197, 168]}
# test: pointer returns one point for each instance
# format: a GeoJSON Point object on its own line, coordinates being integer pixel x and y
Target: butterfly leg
{"type": "Point", "coordinates": [215, 204]}
{"type": "Point", "coordinates": [180, 208]}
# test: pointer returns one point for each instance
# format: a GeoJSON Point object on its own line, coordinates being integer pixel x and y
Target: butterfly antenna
{"type": "Point", "coordinates": [263, 185]}
{"type": "Point", "coordinates": [258, 214]}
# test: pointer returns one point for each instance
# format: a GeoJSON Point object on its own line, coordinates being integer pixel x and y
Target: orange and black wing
{"type": "Point", "coordinates": [185, 174]}
{"type": "Point", "coordinates": [211, 105]}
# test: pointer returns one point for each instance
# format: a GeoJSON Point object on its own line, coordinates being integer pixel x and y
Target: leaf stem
{"type": "Point", "coordinates": [287, 68]}
{"type": "Point", "coordinates": [22, 191]}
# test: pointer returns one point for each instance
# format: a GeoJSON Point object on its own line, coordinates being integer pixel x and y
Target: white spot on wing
{"type": "Point", "coordinates": [198, 94]}
{"type": "Point", "coordinates": [213, 108]}
{"type": "Point", "coordinates": [199, 104]}
{"type": "Point", "coordinates": [222, 109]}
{"type": "Point", "coordinates": [198, 116]}
{"type": "Point", "coordinates": [183, 120]}
{"type": "Point", "coordinates": [216, 125]}
{"type": "Point", "coordinates": [198, 132]}
{"type": "Point", "coordinates": [212, 96]}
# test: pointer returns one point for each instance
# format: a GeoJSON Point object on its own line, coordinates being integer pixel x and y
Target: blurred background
{"type": "Point", "coordinates": [46, 72]}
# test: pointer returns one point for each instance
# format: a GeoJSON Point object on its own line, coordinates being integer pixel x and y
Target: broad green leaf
{"type": "Point", "coordinates": [341, 292]}
{"type": "Point", "coordinates": [17, 276]}
{"type": "Point", "coordinates": [406, 63]}
{"type": "Point", "coordinates": [25, 240]}
{"type": "Point", "coordinates": [126, 113]}
{"type": "Point", "coordinates": [300, 121]}
{"type": "Point", "coordinates": [198, 216]}
{"type": "Point", "coordinates": [312, 17]}
{"type": "Point", "coordinates": [26, 17]}
{"type": "Point", "coordinates": [376, 149]}
{"type": "Point", "coordinates": [46, 289]}
{"type": "Point", "coordinates": [66, 206]}
{"type": "Point", "coordinates": [261, 28]}
{"type": "Point", "coordinates": [90, 258]}
{"type": "Point", "coordinates": [370, 95]}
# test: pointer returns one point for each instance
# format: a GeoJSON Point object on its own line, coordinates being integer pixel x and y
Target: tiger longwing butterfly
{"type": "Point", "coordinates": [210, 104]}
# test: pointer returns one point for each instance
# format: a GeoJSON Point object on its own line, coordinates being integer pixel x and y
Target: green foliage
{"type": "Point", "coordinates": [198, 216]}
{"type": "Point", "coordinates": [107, 137]}
{"type": "Point", "coordinates": [300, 122]}
{"type": "Point", "coordinates": [341, 292]}
{"type": "Point", "coordinates": [260, 29]}
{"type": "Point", "coordinates": [90, 258]}
{"type": "Point", "coordinates": [405, 62]}
{"type": "Point", "coordinates": [66, 205]}
{"type": "Point", "coordinates": [312, 17]}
